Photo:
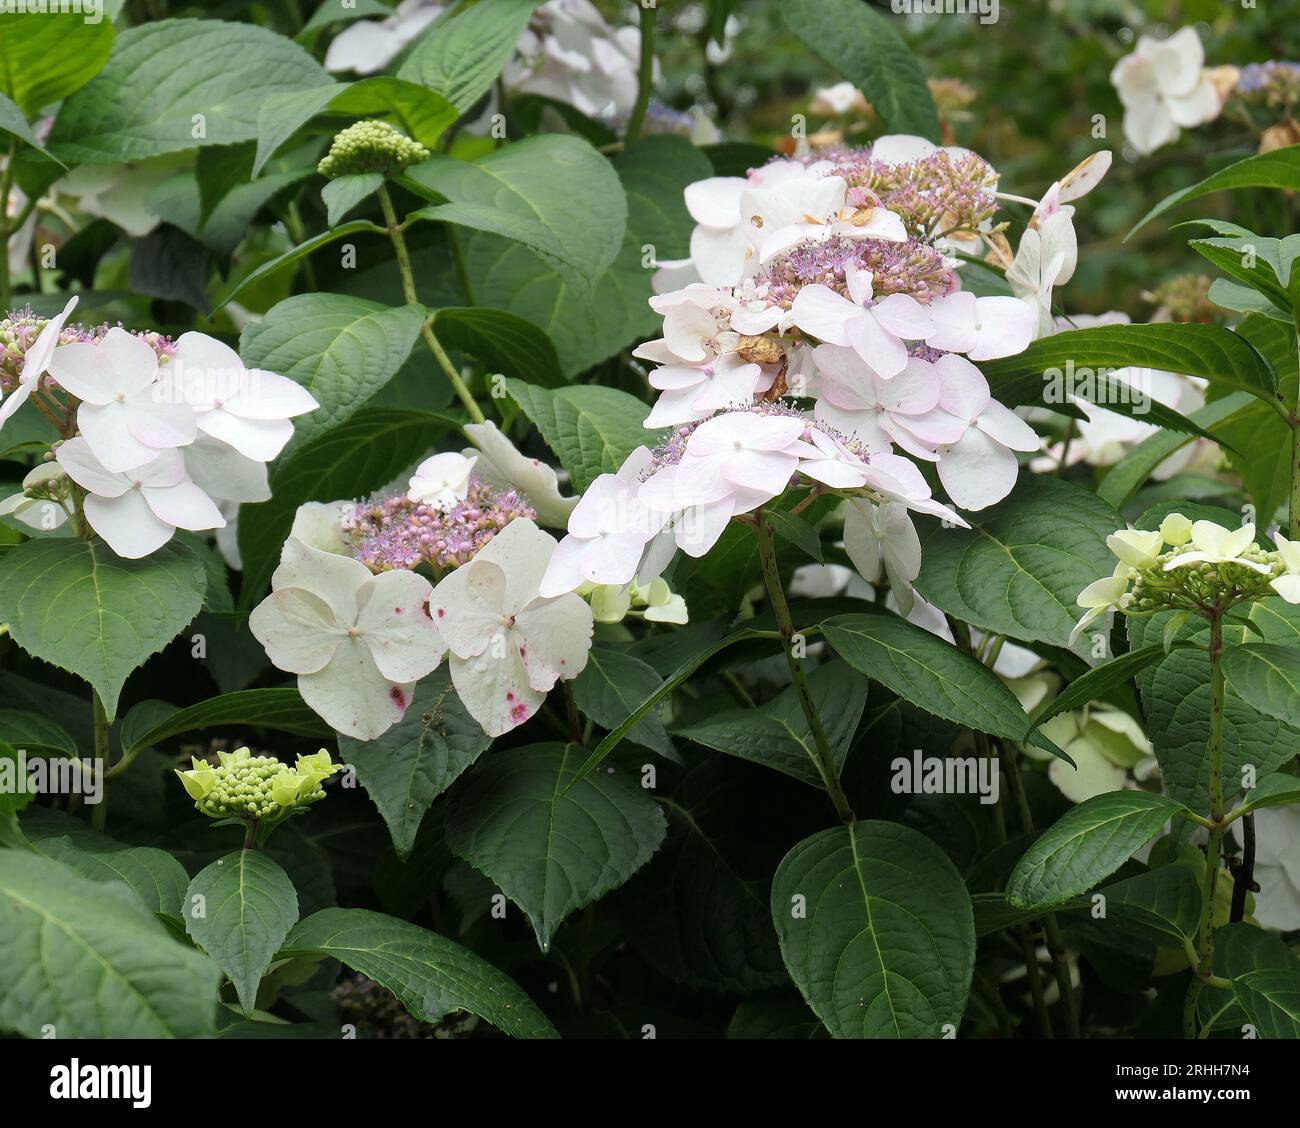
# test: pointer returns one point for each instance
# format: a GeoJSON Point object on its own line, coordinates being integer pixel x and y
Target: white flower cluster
{"type": "Point", "coordinates": [164, 431]}
{"type": "Point", "coordinates": [808, 285]}
{"type": "Point", "coordinates": [1165, 87]}
{"type": "Point", "coordinates": [567, 52]}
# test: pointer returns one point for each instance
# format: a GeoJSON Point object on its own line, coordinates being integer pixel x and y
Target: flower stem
{"type": "Point", "coordinates": [823, 760]}
{"type": "Point", "coordinates": [1293, 510]}
{"type": "Point", "coordinates": [413, 298]}
{"type": "Point", "coordinates": [1214, 846]}
{"type": "Point", "coordinates": [647, 72]}
{"type": "Point", "coordinates": [99, 816]}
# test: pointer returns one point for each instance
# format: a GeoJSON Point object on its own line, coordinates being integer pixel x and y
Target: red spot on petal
{"type": "Point", "coordinates": [397, 610]}
{"type": "Point", "coordinates": [396, 694]}
{"type": "Point", "coordinates": [441, 612]}
{"type": "Point", "coordinates": [510, 696]}
{"type": "Point", "coordinates": [519, 713]}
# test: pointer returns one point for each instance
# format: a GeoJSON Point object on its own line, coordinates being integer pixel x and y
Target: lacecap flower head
{"type": "Point", "coordinates": [260, 788]}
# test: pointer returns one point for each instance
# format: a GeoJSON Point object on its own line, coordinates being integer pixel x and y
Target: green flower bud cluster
{"type": "Point", "coordinates": [370, 146]}
{"type": "Point", "coordinates": [654, 602]}
{"type": "Point", "coordinates": [262, 788]}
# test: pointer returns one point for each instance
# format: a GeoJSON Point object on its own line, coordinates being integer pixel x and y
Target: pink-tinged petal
{"type": "Point", "coordinates": [184, 506]}
{"type": "Point", "coordinates": [893, 474]}
{"type": "Point", "coordinates": [80, 369]}
{"type": "Point", "coordinates": [1002, 424]}
{"type": "Point", "coordinates": [159, 425]}
{"type": "Point", "coordinates": [522, 551]}
{"type": "Point", "coordinates": [297, 630]}
{"type": "Point", "coordinates": [81, 465]}
{"type": "Point", "coordinates": [953, 318]}
{"type": "Point", "coordinates": [913, 391]}
{"type": "Point", "coordinates": [554, 637]}
{"type": "Point", "coordinates": [697, 529]}
{"type": "Point", "coordinates": [964, 391]}
{"type": "Point", "coordinates": [846, 381]}
{"type": "Point", "coordinates": [127, 524]}
{"type": "Point", "coordinates": [1004, 327]}
{"type": "Point", "coordinates": [613, 559]}
{"type": "Point", "coordinates": [883, 352]}
{"type": "Point", "coordinates": [742, 430]}
{"type": "Point", "coordinates": [860, 541]}
{"type": "Point", "coordinates": [695, 481]}
{"type": "Point", "coordinates": [395, 625]}
{"type": "Point", "coordinates": [763, 471]}
{"type": "Point", "coordinates": [901, 148]}
{"type": "Point", "coordinates": [715, 201]}
{"type": "Point", "coordinates": [564, 572]}
{"type": "Point", "coordinates": [719, 255]}
{"type": "Point", "coordinates": [258, 439]}
{"type": "Point", "coordinates": [133, 362]}
{"type": "Point", "coordinates": [267, 395]}
{"type": "Point", "coordinates": [673, 377]}
{"type": "Point", "coordinates": [903, 316]}
{"type": "Point", "coordinates": [467, 607]}
{"type": "Point", "coordinates": [205, 361]}
{"type": "Point", "coordinates": [752, 322]}
{"type": "Point", "coordinates": [686, 328]}
{"type": "Point", "coordinates": [822, 313]}
{"type": "Point", "coordinates": [977, 471]}
{"type": "Point", "coordinates": [333, 578]}
{"type": "Point", "coordinates": [895, 427]}
{"type": "Point", "coordinates": [41, 351]}
{"type": "Point", "coordinates": [107, 429]}
{"type": "Point", "coordinates": [352, 696]}
{"type": "Point", "coordinates": [495, 691]}
{"type": "Point", "coordinates": [657, 352]}
{"type": "Point", "coordinates": [865, 426]}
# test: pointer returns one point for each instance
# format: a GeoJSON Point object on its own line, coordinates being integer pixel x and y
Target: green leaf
{"type": "Point", "coordinates": [867, 49]}
{"type": "Point", "coordinates": [877, 931]}
{"type": "Point", "coordinates": [360, 455]}
{"type": "Point", "coordinates": [591, 429]}
{"type": "Point", "coordinates": [1262, 264]}
{"type": "Point", "coordinates": [671, 682]}
{"type": "Point", "coordinates": [417, 112]}
{"type": "Point", "coordinates": [1240, 949]}
{"type": "Point", "coordinates": [13, 123]}
{"type": "Point", "coordinates": [500, 342]}
{"type": "Point", "coordinates": [777, 735]}
{"type": "Point", "coordinates": [927, 671]}
{"type": "Point", "coordinates": [1088, 843]}
{"type": "Point", "coordinates": [76, 605]}
{"type": "Point", "coordinates": [43, 61]}
{"type": "Point", "coordinates": [1164, 902]}
{"type": "Point", "coordinates": [341, 349]}
{"type": "Point", "coordinates": [172, 85]}
{"type": "Point", "coordinates": [461, 57]}
{"type": "Point", "coordinates": [430, 975]}
{"type": "Point", "coordinates": [611, 686]}
{"type": "Point", "coordinates": [555, 194]}
{"type": "Point", "coordinates": [344, 193]}
{"type": "Point", "coordinates": [1019, 567]}
{"type": "Point", "coordinates": [1278, 169]}
{"type": "Point", "coordinates": [239, 910]}
{"type": "Point", "coordinates": [154, 876]}
{"type": "Point", "coordinates": [1212, 352]}
{"type": "Point", "coordinates": [1271, 1000]}
{"type": "Point", "coordinates": [95, 962]}
{"type": "Point", "coordinates": [1267, 678]}
{"type": "Point", "coordinates": [281, 710]}
{"type": "Point", "coordinates": [23, 729]}
{"type": "Point", "coordinates": [552, 844]}
{"type": "Point", "coordinates": [295, 254]}
{"type": "Point", "coordinates": [1275, 790]}
{"type": "Point", "coordinates": [1097, 683]}
{"type": "Point", "coordinates": [417, 759]}
{"type": "Point", "coordinates": [797, 531]}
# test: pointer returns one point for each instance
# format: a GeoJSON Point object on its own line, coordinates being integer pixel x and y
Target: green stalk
{"type": "Point", "coordinates": [99, 816]}
{"type": "Point", "coordinates": [823, 760]}
{"type": "Point", "coordinates": [412, 297]}
{"type": "Point", "coordinates": [1293, 510]}
{"type": "Point", "coordinates": [1214, 847]}
{"type": "Point", "coordinates": [647, 73]}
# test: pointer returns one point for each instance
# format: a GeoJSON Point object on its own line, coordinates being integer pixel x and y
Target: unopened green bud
{"type": "Point", "coordinates": [371, 146]}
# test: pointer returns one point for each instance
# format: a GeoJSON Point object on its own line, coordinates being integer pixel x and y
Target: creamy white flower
{"type": "Point", "coordinates": [501, 464]}
{"type": "Point", "coordinates": [883, 535]}
{"type": "Point", "coordinates": [126, 417]}
{"type": "Point", "coordinates": [36, 361]}
{"type": "Point", "coordinates": [1163, 86]}
{"type": "Point", "coordinates": [357, 642]}
{"type": "Point", "coordinates": [874, 329]}
{"type": "Point", "coordinates": [223, 473]}
{"type": "Point", "coordinates": [1214, 544]}
{"type": "Point", "coordinates": [509, 645]}
{"type": "Point", "coordinates": [982, 328]}
{"type": "Point", "coordinates": [1277, 867]}
{"type": "Point", "coordinates": [137, 512]}
{"type": "Point", "coordinates": [839, 98]}
{"type": "Point", "coordinates": [608, 531]}
{"type": "Point", "coordinates": [368, 46]}
{"type": "Point", "coordinates": [120, 193]}
{"type": "Point", "coordinates": [1101, 597]}
{"type": "Point", "coordinates": [245, 408]}
{"type": "Point", "coordinates": [1136, 547]}
{"type": "Point", "coordinates": [1288, 584]}
{"type": "Point", "coordinates": [443, 480]}
{"type": "Point", "coordinates": [37, 512]}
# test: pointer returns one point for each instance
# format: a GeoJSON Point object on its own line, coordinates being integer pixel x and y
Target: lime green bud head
{"type": "Point", "coordinates": [371, 146]}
